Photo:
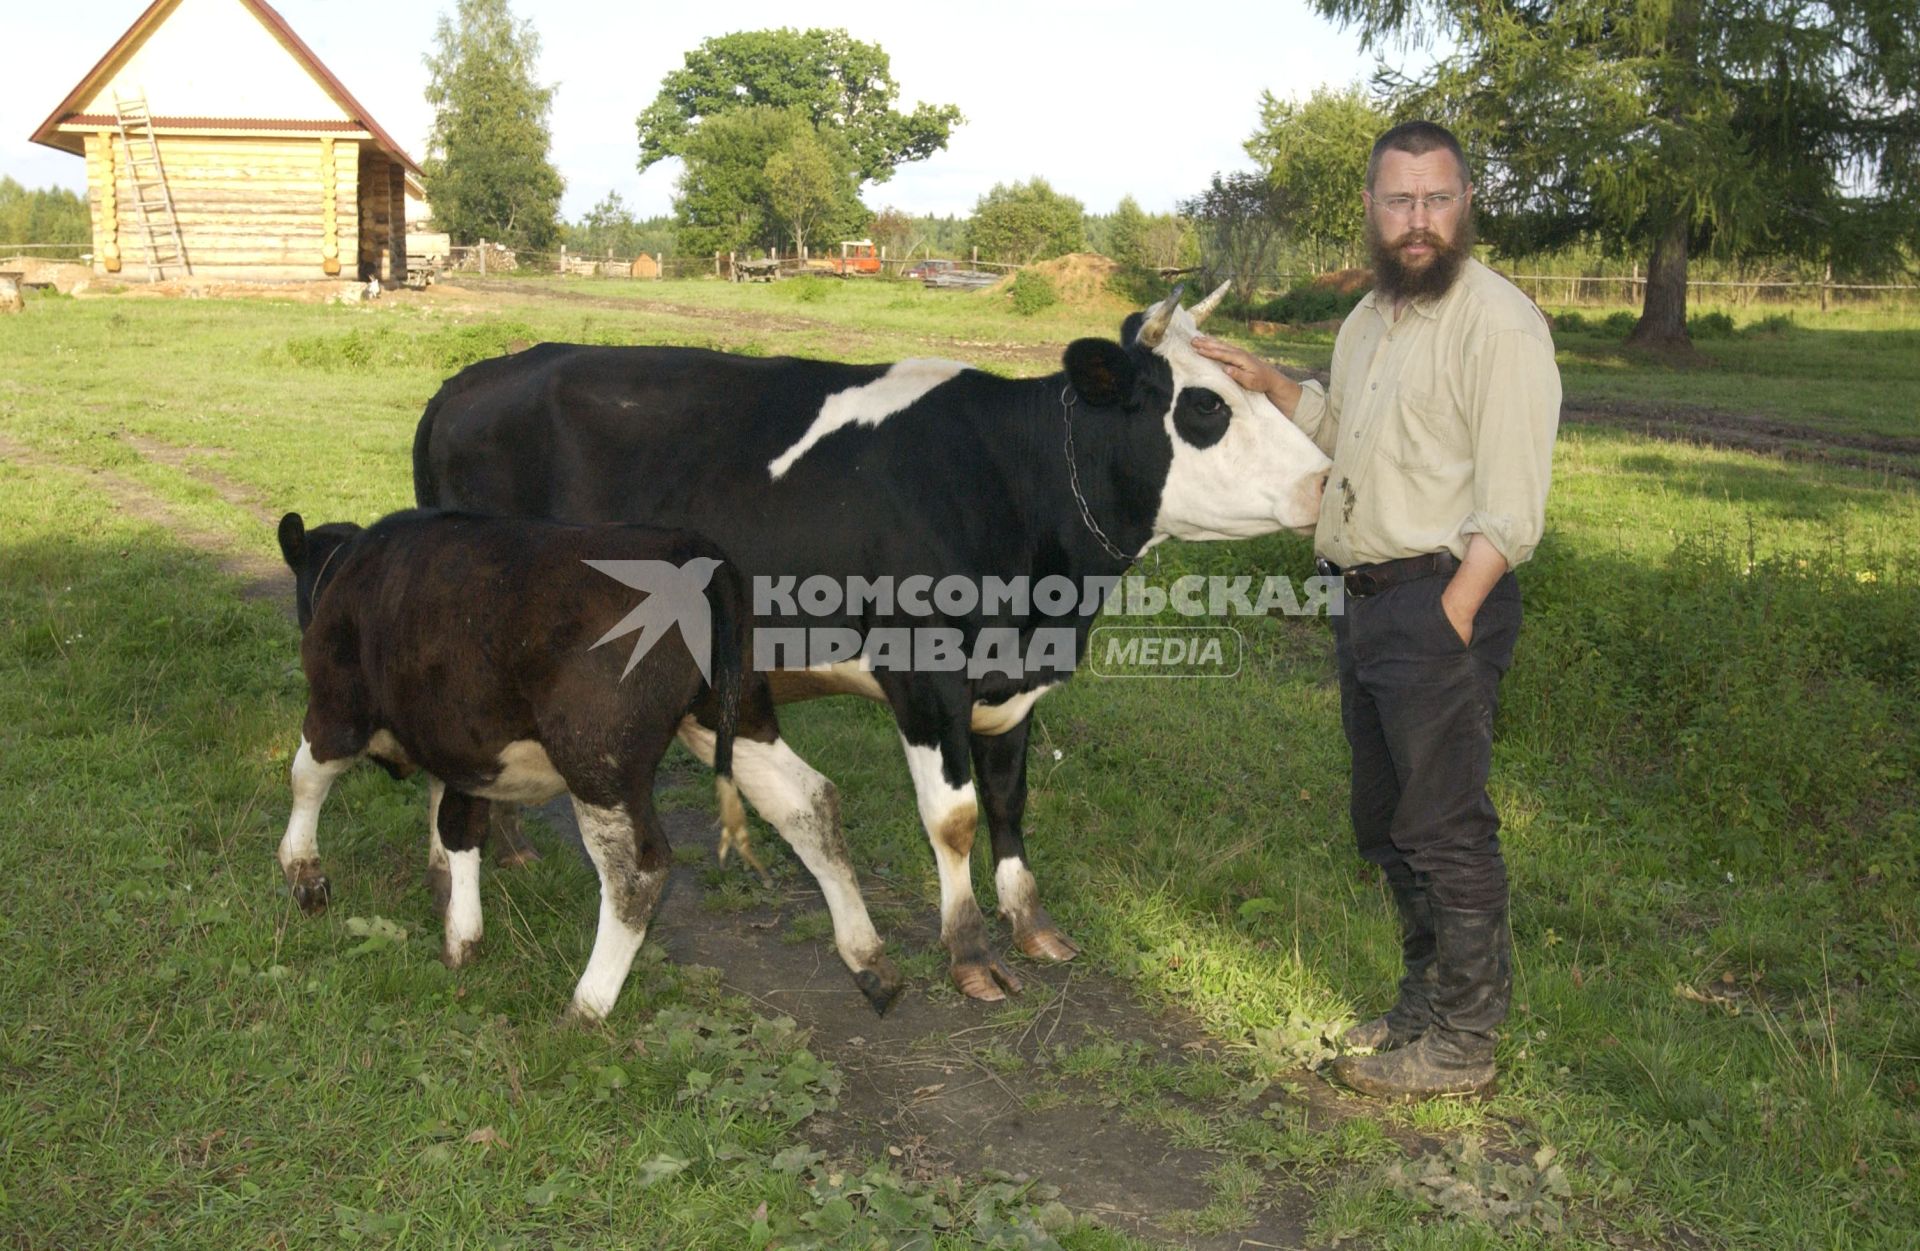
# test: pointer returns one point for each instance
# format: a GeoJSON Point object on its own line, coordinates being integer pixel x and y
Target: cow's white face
{"type": "Point", "coordinates": [1240, 468]}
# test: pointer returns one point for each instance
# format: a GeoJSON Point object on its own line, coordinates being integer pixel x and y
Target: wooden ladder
{"type": "Point", "coordinates": [150, 192]}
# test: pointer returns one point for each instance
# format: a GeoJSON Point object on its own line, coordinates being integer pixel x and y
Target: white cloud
{"type": "Point", "coordinates": [1104, 99]}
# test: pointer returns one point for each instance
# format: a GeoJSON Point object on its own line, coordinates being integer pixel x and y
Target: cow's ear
{"type": "Point", "coordinates": [1101, 371]}
{"type": "Point", "coordinates": [1130, 328]}
{"type": "Point", "coordinates": [293, 540]}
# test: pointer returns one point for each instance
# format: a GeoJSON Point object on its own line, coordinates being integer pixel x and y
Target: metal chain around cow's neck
{"type": "Point", "coordinates": [1073, 478]}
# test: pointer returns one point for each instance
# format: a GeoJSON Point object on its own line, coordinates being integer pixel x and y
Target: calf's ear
{"type": "Point", "coordinates": [1101, 371]}
{"type": "Point", "coordinates": [293, 540]}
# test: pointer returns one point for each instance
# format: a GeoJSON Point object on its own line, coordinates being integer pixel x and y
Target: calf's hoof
{"type": "Point", "coordinates": [985, 979]}
{"type": "Point", "coordinates": [310, 889]}
{"type": "Point", "coordinates": [881, 983]}
{"type": "Point", "coordinates": [459, 955]}
{"type": "Point", "coordinates": [1046, 944]}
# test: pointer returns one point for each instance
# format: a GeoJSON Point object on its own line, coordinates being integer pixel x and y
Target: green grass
{"type": "Point", "coordinates": [1844, 372]}
{"type": "Point", "coordinates": [1707, 765]}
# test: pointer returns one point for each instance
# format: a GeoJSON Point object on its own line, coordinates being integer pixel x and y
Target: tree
{"type": "Point", "coordinates": [726, 201]}
{"type": "Point", "coordinates": [488, 174]}
{"type": "Point", "coordinates": [1126, 235]}
{"type": "Point", "coordinates": [1238, 221]}
{"type": "Point", "coordinates": [610, 229]}
{"type": "Point", "coordinates": [1315, 155]}
{"type": "Point", "coordinates": [838, 83]}
{"type": "Point", "coordinates": [1026, 222]}
{"type": "Point", "coordinates": [802, 185]}
{"type": "Point", "coordinates": [53, 215]}
{"type": "Point", "coordinates": [1673, 125]}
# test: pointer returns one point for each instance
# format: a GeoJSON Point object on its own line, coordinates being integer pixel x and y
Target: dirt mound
{"type": "Point", "coordinates": [1082, 279]}
{"type": "Point", "coordinates": [1343, 281]}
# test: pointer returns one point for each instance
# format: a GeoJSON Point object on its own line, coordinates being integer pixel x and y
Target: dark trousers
{"type": "Point", "coordinates": [1417, 705]}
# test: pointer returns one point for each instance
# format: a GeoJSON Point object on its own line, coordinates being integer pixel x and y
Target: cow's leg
{"type": "Point", "coordinates": [933, 717]}
{"type": "Point", "coordinates": [439, 872]}
{"type": "Point", "coordinates": [461, 821]}
{"type": "Point", "coordinates": [511, 849]}
{"type": "Point", "coordinates": [804, 806]}
{"type": "Point", "coordinates": [1000, 760]}
{"type": "Point", "coordinates": [300, 847]}
{"type": "Point", "coordinates": [629, 849]}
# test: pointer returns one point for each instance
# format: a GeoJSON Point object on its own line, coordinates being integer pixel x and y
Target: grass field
{"type": "Point", "coordinates": [1707, 760]}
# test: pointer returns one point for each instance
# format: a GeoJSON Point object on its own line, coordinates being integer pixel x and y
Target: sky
{"type": "Point", "coordinates": [1103, 99]}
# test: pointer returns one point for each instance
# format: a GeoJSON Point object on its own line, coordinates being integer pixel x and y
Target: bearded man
{"type": "Point", "coordinates": [1440, 418]}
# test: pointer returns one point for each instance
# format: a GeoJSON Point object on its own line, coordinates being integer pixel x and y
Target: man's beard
{"type": "Point", "coordinates": [1399, 281]}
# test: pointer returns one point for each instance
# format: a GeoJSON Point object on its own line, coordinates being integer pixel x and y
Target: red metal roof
{"type": "Point", "coordinates": [48, 131]}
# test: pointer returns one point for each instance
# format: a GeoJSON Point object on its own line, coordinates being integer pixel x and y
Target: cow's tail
{"type": "Point", "coordinates": [426, 494]}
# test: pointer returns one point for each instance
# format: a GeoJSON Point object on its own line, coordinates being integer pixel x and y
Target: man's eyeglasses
{"type": "Point", "coordinates": [1438, 205]}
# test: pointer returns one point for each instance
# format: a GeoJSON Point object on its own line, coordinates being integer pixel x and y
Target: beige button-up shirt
{"type": "Point", "coordinates": [1440, 425]}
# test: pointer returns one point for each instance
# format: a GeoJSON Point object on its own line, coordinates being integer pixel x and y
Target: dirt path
{"type": "Point", "coordinates": [832, 339]}
{"type": "Point", "coordinates": [261, 578]}
{"type": "Point", "coordinates": [1875, 453]}
{"type": "Point", "coordinates": [944, 1086]}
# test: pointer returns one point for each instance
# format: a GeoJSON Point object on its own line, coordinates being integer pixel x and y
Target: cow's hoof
{"type": "Point", "coordinates": [311, 889]}
{"type": "Point", "coordinates": [986, 979]}
{"type": "Point", "coordinates": [459, 955]}
{"type": "Point", "coordinates": [517, 857]}
{"type": "Point", "coordinates": [440, 883]}
{"type": "Point", "coordinates": [579, 1016]}
{"type": "Point", "coordinates": [1046, 944]}
{"type": "Point", "coordinates": [881, 984]}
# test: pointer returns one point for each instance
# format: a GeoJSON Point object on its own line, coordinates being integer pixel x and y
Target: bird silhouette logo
{"type": "Point", "coordinates": [675, 595]}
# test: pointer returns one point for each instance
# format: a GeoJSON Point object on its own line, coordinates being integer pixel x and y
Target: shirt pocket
{"type": "Point", "coordinates": [1426, 433]}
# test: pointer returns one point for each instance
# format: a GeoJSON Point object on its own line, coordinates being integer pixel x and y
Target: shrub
{"type": "Point", "coordinates": [1571, 323]}
{"type": "Point", "coordinates": [1620, 324]}
{"type": "Point", "coordinates": [1772, 325]}
{"type": "Point", "coordinates": [1031, 292]}
{"type": "Point", "coordinates": [1710, 326]}
{"type": "Point", "coordinates": [806, 289]}
{"type": "Point", "coordinates": [1306, 304]}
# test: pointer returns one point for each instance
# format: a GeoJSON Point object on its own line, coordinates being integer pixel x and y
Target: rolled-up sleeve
{"type": "Point", "coordinates": [1513, 411]}
{"type": "Point", "coordinates": [1315, 416]}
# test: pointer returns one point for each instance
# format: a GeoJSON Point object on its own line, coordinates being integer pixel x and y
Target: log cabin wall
{"type": "Point", "coordinates": [248, 207]}
{"type": "Point", "coordinates": [383, 216]}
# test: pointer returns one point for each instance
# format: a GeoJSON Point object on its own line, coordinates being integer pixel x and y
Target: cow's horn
{"type": "Point", "coordinates": [1154, 328]}
{"type": "Point", "coordinates": [1212, 302]}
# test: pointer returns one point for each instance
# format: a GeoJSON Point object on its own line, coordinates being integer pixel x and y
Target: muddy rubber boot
{"type": "Point", "coordinates": [1407, 1019]}
{"type": "Point", "coordinates": [1472, 987]}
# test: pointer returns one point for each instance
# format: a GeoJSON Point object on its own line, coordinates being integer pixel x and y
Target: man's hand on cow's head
{"type": "Point", "coordinates": [1250, 372]}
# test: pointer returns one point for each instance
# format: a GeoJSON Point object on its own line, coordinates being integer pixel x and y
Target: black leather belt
{"type": "Point", "coordinates": [1364, 580]}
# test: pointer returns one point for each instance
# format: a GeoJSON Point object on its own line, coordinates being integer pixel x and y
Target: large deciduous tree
{"type": "Point", "coordinates": [1024, 222]}
{"type": "Point", "coordinates": [1315, 156]}
{"type": "Point", "coordinates": [727, 200]}
{"type": "Point", "coordinates": [488, 173]}
{"type": "Point", "coordinates": [835, 81]}
{"type": "Point", "coordinates": [54, 215]}
{"type": "Point", "coordinates": [1782, 126]}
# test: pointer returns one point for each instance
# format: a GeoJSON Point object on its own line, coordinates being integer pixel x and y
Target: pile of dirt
{"type": "Point", "coordinates": [34, 271]}
{"type": "Point", "coordinates": [1343, 281]}
{"type": "Point", "coordinates": [1082, 279]}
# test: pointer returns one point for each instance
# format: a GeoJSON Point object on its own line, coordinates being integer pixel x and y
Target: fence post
{"type": "Point", "coordinates": [1633, 288]}
{"type": "Point", "coordinates": [659, 266]}
{"type": "Point", "coordinates": [1826, 286]}
{"type": "Point", "coordinates": [976, 256]}
{"type": "Point", "coordinates": [563, 259]}
{"type": "Point", "coordinates": [483, 257]}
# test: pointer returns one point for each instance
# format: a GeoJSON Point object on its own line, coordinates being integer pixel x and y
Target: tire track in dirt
{"type": "Point", "coordinates": [1708, 427]}
{"type": "Point", "coordinates": [260, 577]}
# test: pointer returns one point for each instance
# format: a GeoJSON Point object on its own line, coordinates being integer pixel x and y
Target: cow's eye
{"type": "Point", "coordinates": [1210, 404]}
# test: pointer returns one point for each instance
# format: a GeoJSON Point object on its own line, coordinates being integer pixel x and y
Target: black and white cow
{"type": "Point", "coordinates": [472, 648]}
{"type": "Point", "coordinates": [923, 469]}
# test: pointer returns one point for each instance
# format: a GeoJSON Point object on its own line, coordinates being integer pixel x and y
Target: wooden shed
{"type": "Point", "coordinates": [218, 146]}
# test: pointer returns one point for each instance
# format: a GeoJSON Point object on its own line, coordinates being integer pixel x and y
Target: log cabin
{"type": "Point", "coordinates": [219, 146]}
